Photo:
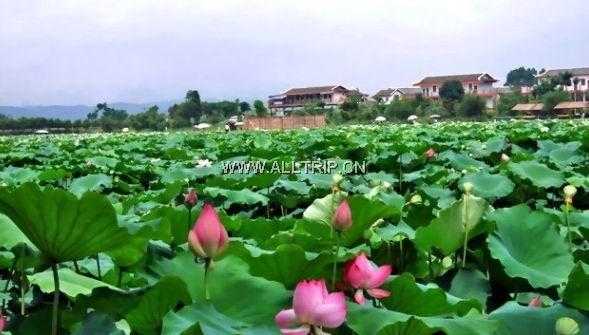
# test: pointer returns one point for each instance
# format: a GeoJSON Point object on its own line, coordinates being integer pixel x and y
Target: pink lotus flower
{"type": "Point", "coordinates": [430, 153]}
{"type": "Point", "coordinates": [362, 275]}
{"type": "Point", "coordinates": [313, 306]}
{"type": "Point", "coordinates": [342, 219]}
{"type": "Point", "coordinates": [190, 198]}
{"type": "Point", "coordinates": [536, 302]}
{"type": "Point", "coordinates": [2, 322]}
{"type": "Point", "coordinates": [208, 237]}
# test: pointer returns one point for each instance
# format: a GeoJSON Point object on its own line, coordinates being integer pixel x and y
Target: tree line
{"type": "Point", "coordinates": [181, 115]}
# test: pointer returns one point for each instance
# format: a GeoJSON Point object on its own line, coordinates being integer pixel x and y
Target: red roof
{"type": "Point", "coordinates": [314, 90]}
{"type": "Point", "coordinates": [483, 77]}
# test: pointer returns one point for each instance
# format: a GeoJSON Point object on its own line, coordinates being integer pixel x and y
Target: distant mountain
{"type": "Point", "coordinates": [77, 111]}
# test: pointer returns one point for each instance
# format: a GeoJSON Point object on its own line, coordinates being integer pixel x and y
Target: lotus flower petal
{"type": "Point", "coordinates": [332, 313]}
{"type": "Point", "coordinates": [208, 237]}
{"type": "Point", "coordinates": [308, 295]}
{"type": "Point", "coordinates": [342, 219]}
{"type": "Point", "coordinates": [378, 293]}
{"type": "Point", "coordinates": [286, 318]}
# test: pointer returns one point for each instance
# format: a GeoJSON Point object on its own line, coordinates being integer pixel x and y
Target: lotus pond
{"type": "Point", "coordinates": [450, 228]}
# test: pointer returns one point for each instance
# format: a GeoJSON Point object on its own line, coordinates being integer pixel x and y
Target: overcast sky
{"type": "Point", "coordinates": [82, 52]}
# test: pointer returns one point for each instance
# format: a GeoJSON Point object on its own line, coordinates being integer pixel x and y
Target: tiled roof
{"type": "Point", "coordinates": [312, 90]}
{"type": "Point", "coordinates": [579, 71]}
{"type": "Point", "coordinates": [459, 77]}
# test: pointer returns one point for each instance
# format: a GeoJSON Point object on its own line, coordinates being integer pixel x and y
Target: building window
{"type": "Point", "coordinates": [476, 87]}
{"type": "Point", "coordinates": [470, 87]}
{"type": "Point", "coordinates": [582, 82]}
{"type": "Point", "coordinates": [435, 88]}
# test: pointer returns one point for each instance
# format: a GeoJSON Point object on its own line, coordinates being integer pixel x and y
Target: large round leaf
{"type": "Point", "coordinates": [372, 321]}
{"type": "Point", "coordinates": [61, 226]}
{"type": "Point", "coordinates": [523, 320]}
{"type": "Point", "coordinates": [539, 174]}
{"type": "Point", "coordinates": [70, 283]}
{"type": "Point", "coordinates": [576, 293]}
{"type": "Point", "coordinates": [528, 246]}
{"type": "Point", "coordinates": [447, 232]}
{"type": "Point", "coordinates": [489, 185]}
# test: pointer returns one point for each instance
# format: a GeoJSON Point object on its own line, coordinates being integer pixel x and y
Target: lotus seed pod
{"type": "Point", "coordinates": [416, 199]}
{"type": "Point", "coordinates": [337, 179]}
{"type": "Point", "coordinates": [468, 187]}
{"type": "Point", "coordinates": [570, 191]}
{"type": "Point", "coordinates": [567, 326]}
{"type": "Point", "coordinates": [569, 194]}
{"type": "Point", "coordinates": [505, 158]}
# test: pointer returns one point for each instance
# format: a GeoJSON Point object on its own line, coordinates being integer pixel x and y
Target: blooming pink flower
{"type": "Point", "coordinates": [362, 275]}
{"type": "Point", "coordinates": [342, 219]}
{"type": "Point", "coordinates": [535, 302]}
{"type": "Point", "coordinates": [190, 198]}
{"type": "Point", "coordinates": [313, 306]}
{"type": "Point", "coordinates": [2, 322]}
{"type": "Point", "coordinates": [208, 237]}
{"type": "Point", "coordinates": [430, 153]}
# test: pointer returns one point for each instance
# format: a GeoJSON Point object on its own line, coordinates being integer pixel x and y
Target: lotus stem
{"type": "Point", "coordinates": [465, 220]}
{"type": "Point", "coordinates": [568, 224]}
{"type": "Point", "coordinates": [98, 267]}
{"type": "Point", "coordinates": [76, 267]}
{"type": "Point", "coordinates": [22, 282]}
{"type": "Point", "coordinates": [401, 255]}
{"type": "Point", "coordinates": [55, 320]}
{"type": "Point", "coordinates": [208, 262]}
{"type": "Point", "coordinates": [335, 257]}
{"type": "Point", "coordinates": [120, 277]}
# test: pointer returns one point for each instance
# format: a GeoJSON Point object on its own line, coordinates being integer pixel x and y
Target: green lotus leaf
{"type": "Point", "coordinates": [576, 293]}
{"type": "Point", "coordinates": [92, 182]}
{"type": "Point", "coordinates": [61, 226]}
{"type": "Point", "coordinates": [410, 298]}
{"type": "Point", "coordinates": [522, 320]}
{"type": "Point", "coordinates": [448, 230]}
{"type": "Point", "coordinates": [146, 317]}
{"type": "Point", "coordinates": [527, 245]}
{"type": "Point", "coordinates": [70, 283]}
{"type": "Point", "coordinates": [489, 185]}
{"type": "Point", "coordinates": [538, 174]}
{"type": "Point", "coordinates": [377, 321]}
{"type": "Point", "coordinates": [232, 288]}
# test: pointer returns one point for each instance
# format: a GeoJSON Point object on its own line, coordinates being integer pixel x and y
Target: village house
{"type": "Point", "coordinates": [480, 84]}
{"type": "Point", "coordinates": [389, 95]}
{"type": "Point", "coordinates": [297, 98]}
{"type": "Point", "coordinates": [579, 80]}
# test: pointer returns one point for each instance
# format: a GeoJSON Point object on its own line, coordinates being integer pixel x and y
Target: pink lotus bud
{"type": "Point", "coordinates": [430, 153]}
{"type": "Point", "coordinates": [536, 302]}
{"type": "Point", "coordinates": [208, 237]}
{"type": "Point", "coordinates": [342, 219]}
{"type": "Point", "coordinates": [362, 275]}
{"type": "Point", "coordinates": [2, 322]}
{"type": "Point", "coordinates": [313, 305]}
{"type": "Point", "coordinates": [190, 198]}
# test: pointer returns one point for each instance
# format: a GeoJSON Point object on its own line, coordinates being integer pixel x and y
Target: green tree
{"type": "Point", "coordinates": [471, 106]}
{"type": "Point", "coordinates": [521, 77]}
{"type": "Point", "coordinates": [551, 99]}
{"type": "Point", "coordinates": [508, 101]}
{"type": "Point", "coordinates": [400, 109]}
{"type": "Point", "coordinates": [244, 107]}
{"type": "Point", "coordinates": [150, 119]}
{"type": "Point", "coordinates": [452, 91]}
{"type": "Point", "coordinates": [259, 108]}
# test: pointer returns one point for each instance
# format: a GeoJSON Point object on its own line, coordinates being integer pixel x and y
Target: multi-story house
{"type": "Point", "coordinates": [389, 95]}
{"type": "Point", "coordinates": [297, 98]}
{"type": "Point", "coordinates": [480, 84]}
{"type": "Point", "coordinates": [579, 81]}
